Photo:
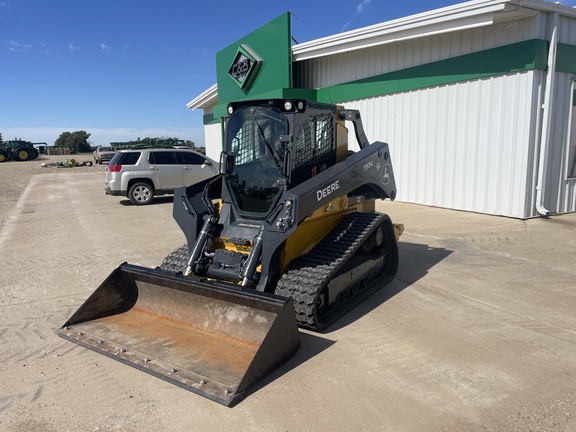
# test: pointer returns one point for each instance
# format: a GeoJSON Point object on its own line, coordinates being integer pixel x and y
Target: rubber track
{"type": "Point", "coordinates": [176, 260]}
{"type": "Point", "coordinates": [308, 274]}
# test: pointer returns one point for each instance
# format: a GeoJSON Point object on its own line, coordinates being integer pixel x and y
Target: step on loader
{"type": "Point", "coordinates": [286, 235]}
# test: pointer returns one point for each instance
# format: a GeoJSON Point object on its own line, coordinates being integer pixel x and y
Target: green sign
{"type": "Point", "coordinates": [258, 64]}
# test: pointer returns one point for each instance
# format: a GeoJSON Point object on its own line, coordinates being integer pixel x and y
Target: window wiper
{"type": "Point", "coordinates": [272, 152]}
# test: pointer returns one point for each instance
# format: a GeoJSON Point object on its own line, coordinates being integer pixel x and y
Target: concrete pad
{"type": "Point", "coordinates": [476, 333]}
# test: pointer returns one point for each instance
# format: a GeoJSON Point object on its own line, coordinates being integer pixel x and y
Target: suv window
{"type": "Point", "coordinates": [125, 158]}
{"type": "Point", "coordinates": [189, 158]}
{"type": "Point", "coordinates": [162, 158]}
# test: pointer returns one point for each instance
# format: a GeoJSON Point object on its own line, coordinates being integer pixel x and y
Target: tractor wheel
{"type": "Point", "coordinates": [3, 157]}
{"type": "Point", "coordinates": [22, 154]}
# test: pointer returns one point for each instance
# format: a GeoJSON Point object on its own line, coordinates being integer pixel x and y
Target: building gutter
{"type": "Point", "coordinates": [547, 121]}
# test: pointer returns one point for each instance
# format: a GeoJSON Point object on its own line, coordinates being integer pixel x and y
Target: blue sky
{"type": "Point", "coordinates": [125, 69]}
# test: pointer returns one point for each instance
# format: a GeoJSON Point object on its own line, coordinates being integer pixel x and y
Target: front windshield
{"type": "Point", "coordinates": [253, 137]}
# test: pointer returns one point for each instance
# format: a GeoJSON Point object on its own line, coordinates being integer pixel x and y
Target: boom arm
{"type": "Point", "coordinates": [366, 173]}
{"type": "Point", "coordinates": [354, 117]}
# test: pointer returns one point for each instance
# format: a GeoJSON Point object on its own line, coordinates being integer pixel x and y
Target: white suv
{"type": "Point", "coordinates": [142, 174]}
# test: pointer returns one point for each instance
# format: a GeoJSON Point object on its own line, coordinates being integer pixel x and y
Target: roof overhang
{"type": "Point", "coordinates": [473, 14]}
{"type": "Point", "coordinates": [206, 99]}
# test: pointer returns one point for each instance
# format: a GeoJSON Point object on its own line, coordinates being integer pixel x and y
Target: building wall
{"type": "Point", "coordinates": [467, 146]}
{"type": "Point", "coordinates": [468, 141]}
{"type": "Point", "coordinates": [213, 140]}
{"type": "Point", "coordinates": [560, 192]}
{"type": "Point", "coordinates": [336, 69]}
{"type": "Point", "coordinates": [472, 145]}
{"type": "Point", "coordinates": [567, 30]}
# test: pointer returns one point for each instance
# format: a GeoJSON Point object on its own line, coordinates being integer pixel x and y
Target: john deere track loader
{"type": "Point", "coordinates": [286, 235]}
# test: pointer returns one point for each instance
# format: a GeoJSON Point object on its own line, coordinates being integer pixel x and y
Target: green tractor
{"type": "Point", "coordinates": [18, 150]}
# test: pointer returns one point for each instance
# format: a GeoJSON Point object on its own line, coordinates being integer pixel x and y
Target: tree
{"type": "Point", "coordinates": [1, 140]}
{"type": "Point", "coordinates": [76, 141]}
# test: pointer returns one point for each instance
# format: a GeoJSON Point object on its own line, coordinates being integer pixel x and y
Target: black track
{"type": "Point", "coordinates": [307, 277]}
{"type": "Point", "coordinates": [176, 260]}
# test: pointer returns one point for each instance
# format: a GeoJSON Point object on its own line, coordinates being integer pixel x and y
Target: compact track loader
{"type": "Point", "coordinates": [285, 236]}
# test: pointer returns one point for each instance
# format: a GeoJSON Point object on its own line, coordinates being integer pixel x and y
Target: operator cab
{"type": "Point", "coordinates": [272, 146]}
{"type": "Point", "coordinates": [254, 139]}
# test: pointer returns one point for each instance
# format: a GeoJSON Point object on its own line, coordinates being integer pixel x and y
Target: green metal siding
{"type": "Point", "coordinates": [512, 58]}
{"type": "Point", "coordinates": [566, 58]}
{"type": "Point", "coordinates": [272, 44]}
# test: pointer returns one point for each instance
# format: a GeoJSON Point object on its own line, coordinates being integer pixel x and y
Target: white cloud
{"type": "Point", "coordinates": [103, 136]}
{"type": "Point", "coordinates": [362, 5]}
{"type": "Point", "coordinates": [16, 46]}
{"type": "Point", "coordinates": [73, 47]}
{"type": "Point", "coordinates": [104, 47]}
{"type": "Point", "coordinates": [359, 9]}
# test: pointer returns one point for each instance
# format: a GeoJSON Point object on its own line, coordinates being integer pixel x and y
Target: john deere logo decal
{"type": "Point", "coordinates": [245, 67]}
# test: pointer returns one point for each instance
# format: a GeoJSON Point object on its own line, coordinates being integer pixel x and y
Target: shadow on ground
{"type": "Point", "coordinates": [156, 201]}
{"type": "Point", "coordinates": [312, 345]}
{"type": "Point", "coordinates": [416, 260]}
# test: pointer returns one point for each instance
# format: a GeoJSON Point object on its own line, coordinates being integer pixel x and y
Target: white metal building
{"type": "Point", "coordinates": [476, 101]}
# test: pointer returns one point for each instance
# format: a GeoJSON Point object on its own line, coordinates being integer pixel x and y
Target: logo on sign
{"type": "Point", "coordinates": [245, 67]}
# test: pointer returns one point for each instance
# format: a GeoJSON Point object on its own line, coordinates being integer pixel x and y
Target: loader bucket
{"type": "Point", "coordinates": [203, 336]}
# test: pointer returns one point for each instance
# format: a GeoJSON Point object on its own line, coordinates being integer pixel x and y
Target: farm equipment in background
{"type": "Point", "coordinates": [286, 235]}
{"type": "Point", "coordinates": [18, 150]}
{"type": "Point", "coordinates": [149, 143]}
{"type": "Point", "coordinates": [68, 163]}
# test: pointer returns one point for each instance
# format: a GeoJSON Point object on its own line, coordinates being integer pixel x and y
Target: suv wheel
{"type": "Point", "coordinates": [141, 193]}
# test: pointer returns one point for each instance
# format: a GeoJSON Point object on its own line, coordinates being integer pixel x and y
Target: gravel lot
{"type": "Point", "coordinates": [16, 175]}
{"type": "Point", "coordinates": [475, 334]}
